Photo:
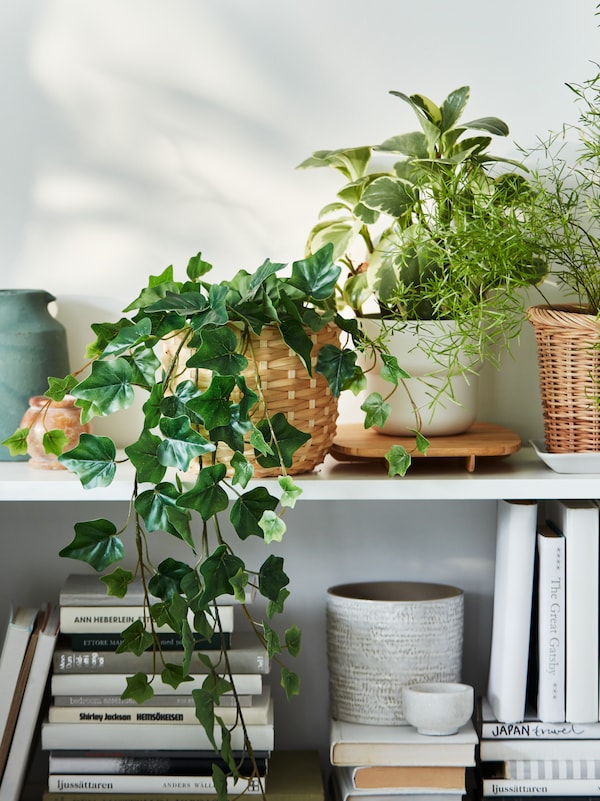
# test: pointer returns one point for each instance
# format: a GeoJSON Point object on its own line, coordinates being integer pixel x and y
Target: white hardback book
{"type": "Point", "coordinates": [22, 740]}
{"type": "Point", "coordinates": [551, 625]}
{"type": "Point", "coordinates": [368, 744]}
{"type": "Point", "coordinates": [18, 634]}
{"type": "Point", "coordinates": [115, 684]}
{"type": "Point", "coordinates": [577, 520]}
{"type": "Point", "coordinates": [516, 530]}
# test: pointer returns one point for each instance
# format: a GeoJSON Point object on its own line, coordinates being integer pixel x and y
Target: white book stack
{"type": "Point", "coordinates": [372, 763]}
{"type": "Point", "coordinates": [99, 738]}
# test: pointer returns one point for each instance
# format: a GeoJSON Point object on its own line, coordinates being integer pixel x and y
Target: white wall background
{"type": "Point", "coordinates": [136, 133]}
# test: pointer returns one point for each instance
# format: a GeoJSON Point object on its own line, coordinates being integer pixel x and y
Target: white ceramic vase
{"type": "Point", "coordinates": [382, 636]}
{"type": "Point", "coordinates": [433, 400]}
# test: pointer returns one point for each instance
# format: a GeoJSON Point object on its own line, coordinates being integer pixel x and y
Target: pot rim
{"type": "Point", "coordinates": [395, 591]}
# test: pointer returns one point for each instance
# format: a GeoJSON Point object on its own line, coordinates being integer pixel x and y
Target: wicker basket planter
{"type": "Point", "coordinates": [569, 369]}
{"type": "Point", "coordinates": [286, 387]}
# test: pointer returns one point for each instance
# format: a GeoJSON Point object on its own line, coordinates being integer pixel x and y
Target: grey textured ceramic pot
{"type": "Point", "coordinates": [382, 636]}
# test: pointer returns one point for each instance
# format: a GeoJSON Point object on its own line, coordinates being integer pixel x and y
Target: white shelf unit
{"type": "Point", "coordinates": [521, 475]}
{"type": "Point", "coordinates": [435, 524]}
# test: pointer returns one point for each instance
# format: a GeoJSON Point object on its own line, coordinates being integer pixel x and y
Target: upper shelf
{"type": "Point", "coordinates": [519, 476]}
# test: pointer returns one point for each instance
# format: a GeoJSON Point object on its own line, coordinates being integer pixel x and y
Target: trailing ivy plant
{"type": "Point", "coordinates": [182, 425]}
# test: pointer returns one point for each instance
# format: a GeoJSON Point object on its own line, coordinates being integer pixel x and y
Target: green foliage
{"type": "Point", "coordinates": [183, 425]}
{"type": "Point", "coordinates": [567, 211]}
{"type": "Point", "coordinates": [438, 233]}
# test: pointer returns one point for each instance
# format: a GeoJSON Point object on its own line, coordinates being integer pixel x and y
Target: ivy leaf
{"type": "Point", "coordinates": [205, 712]}
{"type": "Point", "coordinates": [181, 443]}
{"type": "Point", "coordinates": [54, 441]}
{"type": "Point", "coordinates": [242, 469]}
{"type": "Point", "coordinates": [128, 337]}
{"type": "Point", "coordinates": [218, 352]}
{"type": "Point", "coordinates": [288, 439]}
{"type": "Point", "coordinates": [178, 403]}
{"type": "Point", "coordinates": [214, 405]}
{"type": "Point", "coordinates": [391, 370]}
{"type": "Point", "coordinates": [276, 607]}
{"type": "Point", "coordinates": [117, 583]}
{"type": "Point", "coordinates": [248, 510]}
{"type": "Point", "coordinates": [376, 410]}
{"type": "Point", "coordinates": [59, 387]}
{"type": "Point", "coordinates": [259, 443]}
{"type": "Point", "coordinates": [95, 542]}
{"type": "Point", "coordinates": [290, 682]}
{"type": "Point", "coordinates": [152, 506]}
{"type": "Point", "coordinates": [138, 688]}
{"type": "Point", "coordinates": [158, 286]}
{"type": "Point", "coordinates": [273, 643]}
{"type": "Point", "coordinates": [293, 640]}
{"type": "Point", "coordinates": [197, 267]}
{"type": "Point", "coordinates": [296, 338]}
{"type": "Point", "coordinates": [136, 639]}
{"type": "Point", "coordinates": [92, 460]}
{"type": "Point", "coordinates": [398, 459]}
{"type": "Point", "coordinates": [239, 582]}
{"type": "Point", "coordinates": [271, 577]}
{"type": "Point", "coordinates": [174, 675]}
{"type": "Point", "coordinates": [108, 387]}
{"type": "Point", "coordinates": [337, 366]}
{"type": "Point", "coordinates": [206, 496]}
{"type": "Point", "coordinates": [152, 406]}
{"type": "Point", "coordinates": [144, 365]}
{"type": "Point", "coordinates": [317, 275]}
{"type": "Point", "coordinates": [143, 455]}
{"type": "Point", "coordinates": [217, 571]}
{"type": "Point", "coordinates": [17, 442]}
{"type": "Point", "coordinates": [219, 781]}
{"type": "Point", "coordinates": [291, 491]}
{"type": "Point", "coordinates": [273, 527]}
{"type": "Point", "coordinates": [422, 442]}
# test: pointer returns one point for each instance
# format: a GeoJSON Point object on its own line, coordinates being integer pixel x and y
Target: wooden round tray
{"type": "Point", "coordinates": [353, 442]}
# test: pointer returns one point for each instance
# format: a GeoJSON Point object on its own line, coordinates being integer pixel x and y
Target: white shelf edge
{"type": "Point", "coordinates": [519, 476]}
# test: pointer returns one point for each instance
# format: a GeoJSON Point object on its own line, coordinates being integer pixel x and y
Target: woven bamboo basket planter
{"type": "Point", "coordinates": [569, 371]}
{"type": "Point", "coordinates": [286, 387]}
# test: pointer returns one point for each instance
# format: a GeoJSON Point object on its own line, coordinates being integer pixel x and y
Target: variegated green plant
{"type": "Point", "coordinates": [431, 226]}
{"type": "Point", "coordinates": [182, 423]}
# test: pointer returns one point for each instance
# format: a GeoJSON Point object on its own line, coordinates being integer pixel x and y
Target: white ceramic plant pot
{"type": "Point", "coordinates": [382, 636]}
{"type": "Point", "coordinates": [432, 400]}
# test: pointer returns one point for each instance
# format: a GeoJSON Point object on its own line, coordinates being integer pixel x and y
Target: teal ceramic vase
{"type": "Point", "coordinates": [33, 346]}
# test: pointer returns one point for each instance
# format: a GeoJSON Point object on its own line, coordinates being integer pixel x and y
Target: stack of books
{"type": "Point", "coordinates": [101, 743]}
{"type": "Point", "coordinates": [530, 757]}
{"type": "Point", "coordinates": [377, 763]}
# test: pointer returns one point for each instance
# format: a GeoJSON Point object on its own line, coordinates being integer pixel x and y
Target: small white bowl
{"type": "Point", "coordinates": [437, 707]}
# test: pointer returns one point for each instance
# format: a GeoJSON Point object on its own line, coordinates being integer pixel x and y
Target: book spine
{"type": "Point", "coordinates": [68, 660]}
{"type": "Point", "coordinates": [56, 736]}
{"type": "Point", "coordinates": [551, 626]}
{"type": "Point", "coordinates": [566, 787]}
{"type": "Point", "coordinates": [538, 730]}
{"type": "Point", "coordinates": [184, 715]}
{"type": "Point", "coordinates": [552, 769]}
{"type": "Point", "coordinates": [184, 765]}
{"type": "Point", "coordinates": [516, 530]}
{"type": "Point", "coordinates": [99, 701]}
{"type": "Point", "coordinates": [578, 522]}
{"type": "Point", "coordinates": [116, 683]}
{"type": "Point", "coordinates": [147, 783]}
{"type": "Point", "coordinates": [114, 619]}
{"type": "Point", "coordinates": [110, 641]}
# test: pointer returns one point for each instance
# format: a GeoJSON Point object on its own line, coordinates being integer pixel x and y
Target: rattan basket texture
{"type": "Point", "coordinates": [286, 387]}
{"type": "Point", "coordinates": [569, 371]}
